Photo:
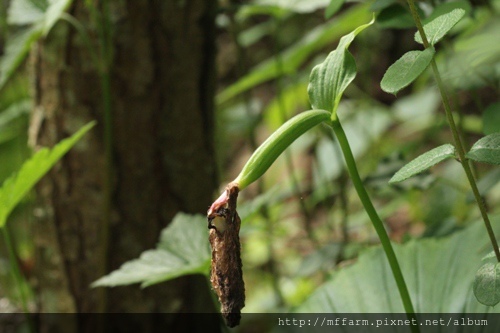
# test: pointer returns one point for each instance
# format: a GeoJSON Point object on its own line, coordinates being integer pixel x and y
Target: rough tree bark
{"type": "Point", "coordinates": [162, 86]}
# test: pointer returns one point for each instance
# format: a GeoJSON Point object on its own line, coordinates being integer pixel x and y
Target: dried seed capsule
{"type": "Point", "coordinates": [226, 274]}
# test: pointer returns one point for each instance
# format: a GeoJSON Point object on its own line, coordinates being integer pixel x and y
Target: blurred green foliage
{"type": "Point", "coordinates": [303, 227]}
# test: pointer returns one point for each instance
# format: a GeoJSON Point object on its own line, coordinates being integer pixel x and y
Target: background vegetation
{"type": "Point", "coordinates": [307, 243]}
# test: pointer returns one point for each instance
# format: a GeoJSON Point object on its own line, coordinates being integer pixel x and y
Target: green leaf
{"type": "Point", "coordinates": [53, 13]}
{"type": "Point", "coordinates": [491, 119]}
{"type": "Point", "coordinates": [329, 79]}
{"type": "Point", "coordinates": [439, 273]}
{"type": "Point", "coordinates": [381, 4]}
{"type": "Point", "coordinates": [297, 54]}
{"type": "Point", "coordinates": [298, 6]}
{"type": "Point", "coordinates": [489, 255]}
{"type": "Point", "coordinates": [437, 28]}
{"type": "Point", "coordinates": [18, 185]}
{"type": "Point", "coordinates": [333, 7]}
{"type": "Point", "coordinates": [26, 11]}
{"type": "Point", "coordinates": [486, 150]}
{"type": "Point", "coordinates": [405, 70]}
{"type": "Point", "coordinates": [183, 249]}
{"type": "Point", "coordinates": [487, 284]}
{"type": "Point", "coordinates": [424, 162]}
{"type": "Point", "coordinates": [274, 146]}
{"type": "Point", "coordinates": [16, 49]}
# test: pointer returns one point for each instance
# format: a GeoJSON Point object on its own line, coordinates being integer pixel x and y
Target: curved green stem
{"type": "Point", "coordinates": [377, 222]}
{"type": "Point", "coordinates": [456, 136]}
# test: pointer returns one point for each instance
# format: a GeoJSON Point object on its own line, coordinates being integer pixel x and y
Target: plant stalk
{"type": "Point", "coordinates": [377, 222]}
{"type": "Point", "coordinates": [456, 136]}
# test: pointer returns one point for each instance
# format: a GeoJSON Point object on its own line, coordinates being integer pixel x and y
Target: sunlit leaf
{"type": "Point", "coordinates": [26, 11]}
{"type": "Point", "coordinates": [487, 284]}
{"type": "Point", "coordinates": [183, 249]}
{"type": "Point", "coordinates": [17, 186]}
{"type": "Point", "coordinates": [298, 6]}
{"type": "Point", "coordinates": [424, 162]}
{"type": "Point", "coordinates": [439, 273]}
{"type": "Point", "coordinates": [405, 70]}
{"type": "Point", "coordinates": [329, 79]}
{"type": "Point", "coordinates": [486, 150]}
{"type": "Point", "coordinates": [298, 53]}
{"type": "Point", "coordinates": [437, 28]}
{"type": "Point", "coordinates": [53, 13]}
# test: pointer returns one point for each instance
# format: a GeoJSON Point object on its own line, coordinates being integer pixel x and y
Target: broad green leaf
{"type": "Point", "coordinates": [424, 162]}
{"type": "Point", "coordinates": [437, 28]}
{"type": "Point", "coordinates": [26, 11]}
{"type": "Point", "coordinates": [487, 284]}
{"type": "Point", "coordinates": [18, 185]}
{"type": "Point", "coordinates": [16, 49]}
{"type": "Point", "coordinates": [491, 119]}
{"type": "Point", "coordinates": [333, 7]}
{"type": "Point", "coordinates": [183, 249]}
{"type": "Point", "coordinates": [406, 69]}
{"type": "Point", "coordinates": [53, 13]}
{"type": "Point", "coordinates": [297, 54]}
{"type": "Point", "coordinates": [439, 273]}
{"type": "Point", "coordinates": [486, 150]}
{"type": "Point", "coordinates": [329, 79]}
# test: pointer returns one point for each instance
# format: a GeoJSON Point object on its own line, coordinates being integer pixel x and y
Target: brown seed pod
{"type": "Point", "coordinates": [226, 274]}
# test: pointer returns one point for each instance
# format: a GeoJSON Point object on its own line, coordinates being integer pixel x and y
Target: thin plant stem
{"type": "Point", "coordinates": [376, 221]}
{"type": "Point", "coordinates": [456, 136]}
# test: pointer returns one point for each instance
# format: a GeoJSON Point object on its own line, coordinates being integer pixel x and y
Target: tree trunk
{"type": "Point", "coordinates": [161, 79]}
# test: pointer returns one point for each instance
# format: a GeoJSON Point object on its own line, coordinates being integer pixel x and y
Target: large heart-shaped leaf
{"type": "Point", "coordinates": [17, 186]}
{"type": "Point", "coordinates": [329, 79]}
{"type": "Point", "coordinates": [424, 162]}
{"type": "Point", "coordinates": [439, 273]}
{"type": "Point", "coordinates": [437, 28]}
{"type": "Point", "coordinates": [183, 249]}
{"type": "Point", "coordinates": [486, 149]}
{"type": "Point", "coordinates": [406, 69]}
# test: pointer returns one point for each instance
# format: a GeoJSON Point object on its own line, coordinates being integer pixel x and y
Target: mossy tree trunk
{"type": "Point", "coordinates": [161, 79]}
